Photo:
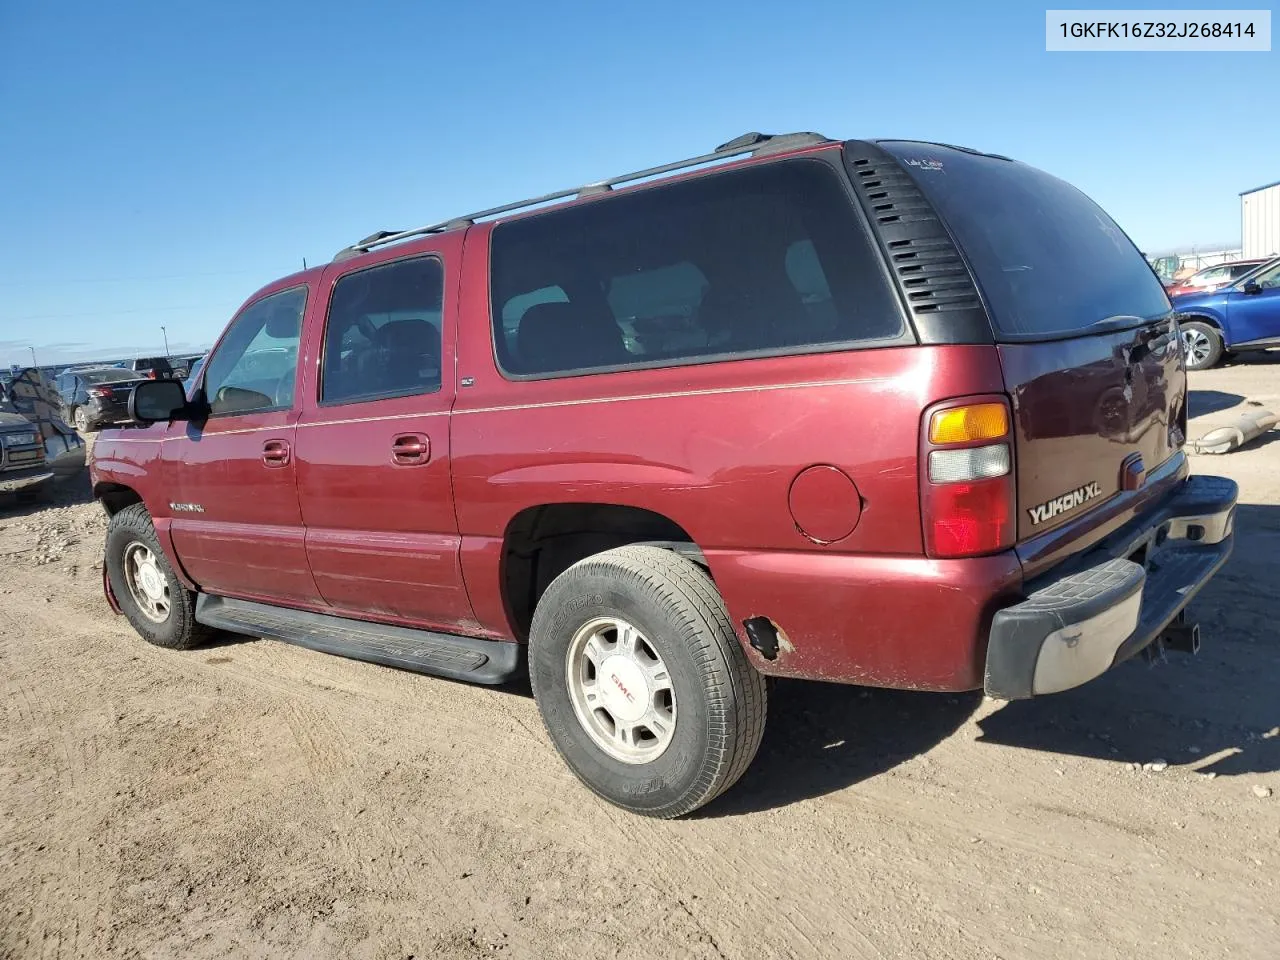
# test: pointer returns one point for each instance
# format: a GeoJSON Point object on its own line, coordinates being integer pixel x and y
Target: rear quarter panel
{"type": "Point", "coordinates": [715, 448]}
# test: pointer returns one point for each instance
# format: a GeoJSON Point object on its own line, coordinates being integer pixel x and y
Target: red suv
{"type": "Point", "coordinates": [1215, 277]}
{"type": "Point", "coordinates": [804, 408]}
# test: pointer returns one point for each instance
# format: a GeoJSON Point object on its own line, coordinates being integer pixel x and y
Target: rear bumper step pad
{"type": "Point", "coordinates": [1074, 628]}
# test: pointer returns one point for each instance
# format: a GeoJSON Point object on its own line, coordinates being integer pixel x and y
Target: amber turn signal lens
{"type": "Point", "coordinates": [979, 421]}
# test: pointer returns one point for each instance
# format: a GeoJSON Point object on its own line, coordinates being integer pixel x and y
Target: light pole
{"type": "Point", "coordinates": [34, 361]}
{"type": "Point", "coordinates": [166, 340]}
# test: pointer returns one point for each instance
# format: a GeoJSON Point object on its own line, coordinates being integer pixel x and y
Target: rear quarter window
{"type": "Point", "coordinates": [766, 260]}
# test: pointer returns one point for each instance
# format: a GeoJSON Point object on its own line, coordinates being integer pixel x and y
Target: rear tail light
{"type": "Point", "coordinates": [974, 421]}
{"type": "Point", "coordinates": [100, 392]}
{"type": "Point", "coordinates": [966, 478]}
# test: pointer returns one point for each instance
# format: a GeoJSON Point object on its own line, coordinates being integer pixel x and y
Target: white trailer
{"type": "Point", "coordinates": [1260, 221]}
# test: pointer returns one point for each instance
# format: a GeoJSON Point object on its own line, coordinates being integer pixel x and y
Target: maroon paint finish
{"type": "Point", "coordinates": [824, 503]}
{"type": "Point", "coordinates": [112, 602]}
{"type": "Point", "coordinates": [373, 479]}
{"type": "Point", "coordinates": [1082, 408]}
{"type": "Point", "coordinates": [135, 460]}
{"type": "Point", "coordinates": [798, 477]}
{"type": "Point", "coordinates": [902, 622]}
{"type": "Point", "coordinates": [249, 541]}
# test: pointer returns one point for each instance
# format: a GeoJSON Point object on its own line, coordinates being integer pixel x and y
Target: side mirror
{"type": "Point", "coordinates": [1251, 286]}
{"type": "Point", "coordinates": [156, 400]}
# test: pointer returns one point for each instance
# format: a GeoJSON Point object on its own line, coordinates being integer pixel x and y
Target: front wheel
{"type": "Point", "coordinates": [152, 597]}
{"type": "Point", "coordinates": [1202, 345]}
{"type": "Point", "coordinates": [642, 683]}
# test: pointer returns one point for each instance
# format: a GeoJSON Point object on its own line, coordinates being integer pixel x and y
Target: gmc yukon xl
{"type": "Point", "coordinates": [871, 412]}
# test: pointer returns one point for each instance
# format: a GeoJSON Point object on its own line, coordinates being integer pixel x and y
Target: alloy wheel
{"type": "Point", "coordinates": [148, 586]}
{"type": "Point", "coordinates": [621, 690]}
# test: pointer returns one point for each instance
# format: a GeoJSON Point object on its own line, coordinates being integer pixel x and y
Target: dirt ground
{"type": "Point", "coordinates": [259, 800]}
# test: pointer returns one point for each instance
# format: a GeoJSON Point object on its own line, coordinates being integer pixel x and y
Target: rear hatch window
{"type": "Point", "coordinates": [1048, 260]}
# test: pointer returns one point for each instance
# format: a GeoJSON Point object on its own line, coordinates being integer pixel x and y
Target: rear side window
{"type": "Point", "coordinates": [383, 335]}
{"type": "Point", "coordinates": [1047, 258]}
{"type": "Point", "coordinates": [765, 260]}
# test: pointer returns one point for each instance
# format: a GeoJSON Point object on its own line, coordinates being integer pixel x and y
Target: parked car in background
{"type": "Point", "coordinates": [151, 368]}
{"type": "Point", "coordinates": [37, 448]}
{"type": "Point", "coordinates": [1244, 315]}
{"type": "Point", "coordinates": [22, 467]}
{"type": "Point", "coordinates": [662, 441]}
{"type": "Point", "coordinates": [95, 397]}
{"type": "Point", "coordinates": [1212, 278]}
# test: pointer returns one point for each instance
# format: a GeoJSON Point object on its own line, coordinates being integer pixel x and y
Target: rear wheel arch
{"type": "Point", "coordinates": [542, 541]}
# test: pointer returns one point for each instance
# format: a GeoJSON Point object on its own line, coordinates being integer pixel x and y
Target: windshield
{"type": "Point", "coordinates": [108, 376]}
{"type": "Point", "coordinates": [1049, 261]}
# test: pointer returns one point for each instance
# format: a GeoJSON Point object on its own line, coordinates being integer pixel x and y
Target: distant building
{"type": "Point", "coordinates": [1260, 221]}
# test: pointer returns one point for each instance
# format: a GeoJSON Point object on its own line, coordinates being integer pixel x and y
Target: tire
{"type": "Point", "coordinates": [80, 420]}
{"type": "Point", "coordinates": [129, 532]}
{"type": "Point", "coordinates": [1202, 344]}
{"type": "Point", "coordinates": [717, 700]}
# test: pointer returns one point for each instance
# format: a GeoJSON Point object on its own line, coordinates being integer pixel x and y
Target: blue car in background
{"type": "Point", "coordinates": [1244, 315]}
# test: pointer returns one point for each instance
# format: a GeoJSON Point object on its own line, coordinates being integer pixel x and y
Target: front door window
{"type": "Point", "coordinates": [255, 367]}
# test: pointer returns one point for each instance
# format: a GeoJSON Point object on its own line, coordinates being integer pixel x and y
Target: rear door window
{"type": "Point", "coordinates": [383, 335]}
{"type": "Point", "coordinates": [1048, 260]}
{"type": "Point", "coordinates": [762, 261]}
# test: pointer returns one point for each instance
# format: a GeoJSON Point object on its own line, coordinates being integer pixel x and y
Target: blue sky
{"type": "Point", "coordinates": [161, 160]}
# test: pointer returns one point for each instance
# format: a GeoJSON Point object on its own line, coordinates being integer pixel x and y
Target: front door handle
{"type": "Point", "coordinates": [411, 448]}
{"type": "Point", "coordinates": [275, 453]}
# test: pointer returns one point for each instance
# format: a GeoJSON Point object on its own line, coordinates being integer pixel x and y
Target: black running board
{"type": "Point", "coordinates": [441, 654]}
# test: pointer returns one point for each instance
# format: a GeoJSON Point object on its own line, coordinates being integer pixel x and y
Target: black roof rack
{"type": "Point", "coordinates": [756, 144]}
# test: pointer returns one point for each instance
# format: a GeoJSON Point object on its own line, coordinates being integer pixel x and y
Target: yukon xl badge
{"type": "Point", "coordinates": [186, 508]}
{"type": "Point", "coordinates": [1068, 501]}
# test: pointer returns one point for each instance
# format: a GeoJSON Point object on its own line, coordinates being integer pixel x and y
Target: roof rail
{"type": "Point", "coordinates": [756, 144]}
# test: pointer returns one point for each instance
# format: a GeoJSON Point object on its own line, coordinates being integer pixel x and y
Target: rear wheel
{"type": "Point", "coordinates": [1202, 345]}
{"type": "Point", "coordinates": [152, 597]}
{"type": "Point", "coordinates": [642, 683]}
{"type": "Point", "coordinates": [80, 420]}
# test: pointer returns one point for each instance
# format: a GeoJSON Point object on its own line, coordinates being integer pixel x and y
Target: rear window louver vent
{"type": "Point", "coordinates": [928, 268]}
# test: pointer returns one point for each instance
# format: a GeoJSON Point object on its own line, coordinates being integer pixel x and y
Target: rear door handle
{"type": "Point", "coordinates": [411, 448]}
{"type": "Point", "coordinates": [275, 453]}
